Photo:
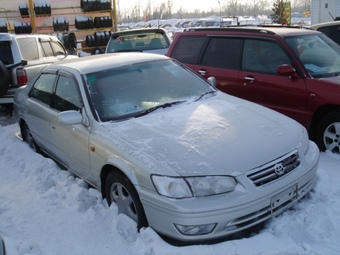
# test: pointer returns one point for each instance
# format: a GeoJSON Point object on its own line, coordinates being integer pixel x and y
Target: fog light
{"type": "Point", "coordinates": [196, 229]}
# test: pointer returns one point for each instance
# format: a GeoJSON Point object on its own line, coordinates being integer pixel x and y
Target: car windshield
{"type": "Point", "coordinates": [136, 90]}
{"type": "Point", "coordinates": [138, 41]}
{"type": "Point", "coordinates": [319, 54]}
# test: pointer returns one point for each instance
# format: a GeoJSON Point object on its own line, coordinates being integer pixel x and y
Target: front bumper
{"type": "Point", "coordinates": [229, 213]}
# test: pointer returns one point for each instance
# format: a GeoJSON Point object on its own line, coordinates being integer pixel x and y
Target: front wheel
{"type": "Point", "coordinates": [328, 133]}
{"type": "Point", "coordinates": [119, 189]}
{"type": "Point", "coordinates": [27, 137]}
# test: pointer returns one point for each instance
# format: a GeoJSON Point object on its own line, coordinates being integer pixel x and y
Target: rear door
{"type": "Point", "coordinates": [221, 57]}
{"type": "Point", "coordinates": [37, 108]}
{"type": "Point", "coordinates": [187, 49]}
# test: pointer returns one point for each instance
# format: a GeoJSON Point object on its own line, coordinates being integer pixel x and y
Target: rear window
{"type": "Point", "coordinates": [187, 49]}
{"type": "Point", "coordinates": [28, 48]}
{"type": "Point", "coordinates": [6, 55]}
{"type": "Point", "coordinates": [140, 41]}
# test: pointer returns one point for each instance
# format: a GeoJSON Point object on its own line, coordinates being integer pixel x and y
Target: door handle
{"type": "Point", "coordinates": [202, 72]}
{"type": "Point", "coordinates": [51, 126]}
{"type": "Point", "coordinates": [249, 79]}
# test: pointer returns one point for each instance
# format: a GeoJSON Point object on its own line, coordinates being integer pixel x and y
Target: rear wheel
{"type": "Point", "coordinates": [119, 190]}
{"type": "Point", "coordinates": [27, 137]}
{"type": "Point", "coordinates": [328, 133]}
{"type": "Point", "coordinates": [4, 79]}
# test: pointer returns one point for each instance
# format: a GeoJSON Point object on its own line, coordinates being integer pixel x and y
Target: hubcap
{"type": "Point", "coordinates": [124, 201]}
{"type": "Point", "coordinates": [331, 137]}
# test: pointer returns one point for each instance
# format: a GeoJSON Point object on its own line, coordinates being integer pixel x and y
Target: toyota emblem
{"type": "Point", "coordinates": [279, 169]}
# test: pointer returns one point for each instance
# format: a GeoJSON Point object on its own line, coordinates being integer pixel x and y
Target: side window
{"type": "Point", "coordinates": [28, 48]}
{"type": "Point", "coordinates": [6, 55]}
{"type": "Point", "coordinates": [263, 56]}
{"type": "Point", "coordinates": [58, 48]}
{"type": "Point", "coordinates": [187, 49]}
{"type": "Point", "coordinates": [48, 52]}
{"type": "Point", "coordinates": [43, 87]}
{"type": "Point", "coordinates": [67, 95]}
{"type": "Point", "coordinates": [223, 53]}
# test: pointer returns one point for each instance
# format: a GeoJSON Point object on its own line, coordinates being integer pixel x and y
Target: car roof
{"type": "Point", "coordinates": [283, 31]}
{"type": "Point", "coordinates": [9, 36]}
{"type": "Point", "coordinates": [95, 63]}
{"type": "Point", "coordinates": [325, 24]}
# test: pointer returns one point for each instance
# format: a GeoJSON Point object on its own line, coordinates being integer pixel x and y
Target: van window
{"type": "Point", "coordinates": [187, 49]}
{"type": "Point", "coordinates": [223, 53]}
{"type": "Point", "coordinates": [28, 48]}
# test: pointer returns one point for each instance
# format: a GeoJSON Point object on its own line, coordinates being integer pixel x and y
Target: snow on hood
{"type": "Point", "coordinates": [211, 136]}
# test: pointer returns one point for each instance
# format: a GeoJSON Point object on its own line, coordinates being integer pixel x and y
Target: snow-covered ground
{"type": "Point", "coordinates": [45, 210]}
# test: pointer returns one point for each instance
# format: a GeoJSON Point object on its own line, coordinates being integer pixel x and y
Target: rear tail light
{"type": "Point", "coordinates": [21, 76]}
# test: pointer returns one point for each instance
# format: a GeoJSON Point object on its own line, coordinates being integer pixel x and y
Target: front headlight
{"type": "Point", "coordinates": [178, 187]}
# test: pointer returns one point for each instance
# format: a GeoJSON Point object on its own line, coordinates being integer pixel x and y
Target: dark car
{"type": "Point", "coordinates": [291, 70]}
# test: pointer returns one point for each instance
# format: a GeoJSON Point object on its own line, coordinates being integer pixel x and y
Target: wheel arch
{"type": "Point", "coordinates": [320, 113]}
{"type": "Point", "coordinates": [21, 123]}
{"type": "Point", "coordinates": [110, 167]}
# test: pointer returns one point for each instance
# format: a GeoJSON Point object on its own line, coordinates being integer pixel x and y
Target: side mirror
{"type": "Point", "coordinates": [286, 70]}
{"type": "Point", "coordinates": [212, 81]}
{"type": "Point", "coordinates": [70, 118]}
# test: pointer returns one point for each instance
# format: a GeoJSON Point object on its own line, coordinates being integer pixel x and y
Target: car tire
{"type": "Point", "coordinates": [328, 133]}
{"type": "Point", "coordinates": [66, 41]}
{"type": "Point", "coordinates": [4, 79]}
{"type": "Point", "coordinates": [119, 190]}
{"type": "Point", "coordinates": [97, 50]}
{"type": "Point", "coordinates": [28, 138]}
{"type": "Point", "coordinates": [72, 40]}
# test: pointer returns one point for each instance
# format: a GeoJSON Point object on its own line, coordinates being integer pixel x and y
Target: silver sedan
{"type": "Point", "coordinates": [165, 146]}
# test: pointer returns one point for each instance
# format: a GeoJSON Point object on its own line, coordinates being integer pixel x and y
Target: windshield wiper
{"type": "Point", "coordinates": [157, 107]}
{"type": "Point", "coordinates": [209, 92]}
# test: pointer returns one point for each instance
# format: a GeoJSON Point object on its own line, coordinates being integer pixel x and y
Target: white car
{"type": "Point", "coordinates": [170, 150]}
{"type": "Point", "coordinates": [22, 56]}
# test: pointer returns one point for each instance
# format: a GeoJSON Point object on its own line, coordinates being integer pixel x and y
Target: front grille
{"type": "Point", "coordinates": [275, 169]}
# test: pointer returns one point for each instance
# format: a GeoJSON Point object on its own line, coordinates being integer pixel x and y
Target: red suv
{"type": "Point", "coordinates": [291, 70]}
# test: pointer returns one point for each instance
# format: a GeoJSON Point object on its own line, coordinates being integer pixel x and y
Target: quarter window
{"type": "Point", "coordinates": [223, 53]}
{"type": "Point", "coordinates": [43, 87]}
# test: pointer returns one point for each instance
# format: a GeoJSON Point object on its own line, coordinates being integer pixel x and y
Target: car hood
{"type": "Point", "coordinates": [211, 136]}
